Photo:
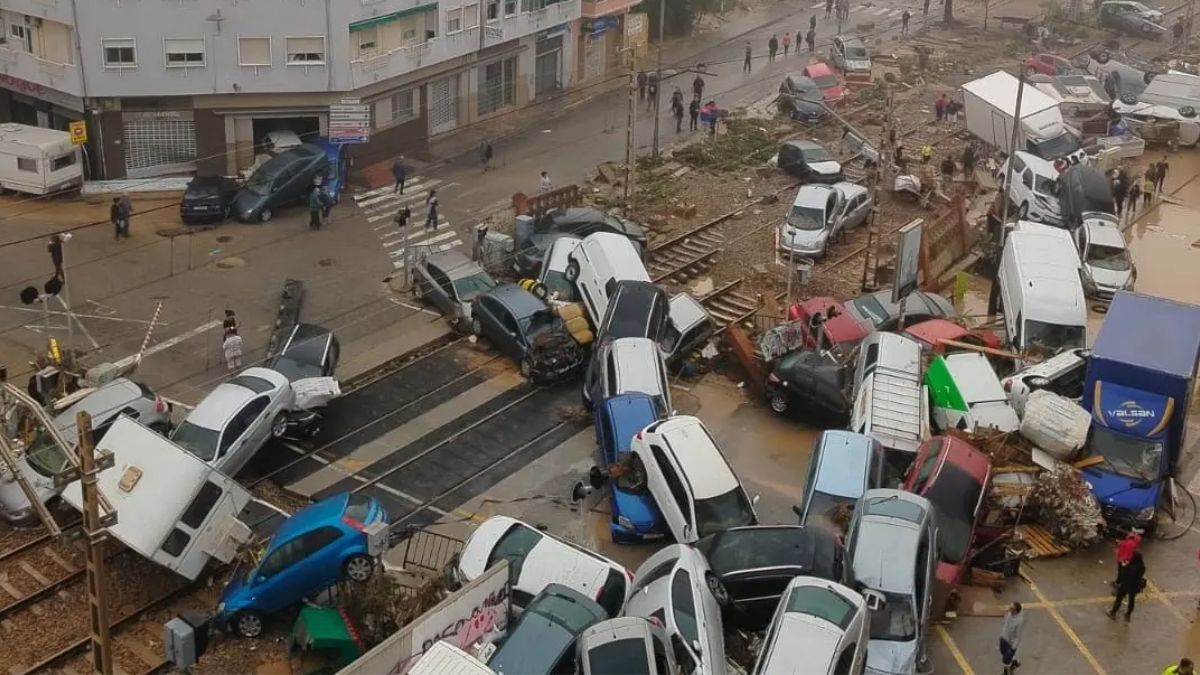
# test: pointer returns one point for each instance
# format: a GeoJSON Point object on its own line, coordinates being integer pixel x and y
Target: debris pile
{"type": "Point", "coordinates": [1066, 506]}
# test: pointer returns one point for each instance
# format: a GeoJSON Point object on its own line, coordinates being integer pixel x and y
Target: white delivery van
{"type": "Point", "coordinates": [1040, 289]}
{"type": "Point", "coordinates": [38, 161]}
{"type": "Point", "coordinates": [989, 104]}
{"type": "Point", "coordinates": [891, 402]}
{"type": "Point", "coordinates": [1034, 189]}
{"type": "Point", "coordinates": [172, 508]}
{"type": "Point", "coordinates": [597, 263]}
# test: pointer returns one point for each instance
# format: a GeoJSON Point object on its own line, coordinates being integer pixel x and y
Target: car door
{"type": "Point", "coordinates": [513, 342]}
{"type": "Point", "coordinates": [858, 211]}
{"type": "Point", "coordinates": [671, 495]}
{"type": "Point", "coordinates": [835, 205]}
{"type": "Point", "coordinates": [322, 567]}
{"type": "Point", "coordinates": [246, 433]}
{"type": "Point", "coordinates": [686, 613]}
{"type": "Point", "coordinates": [440, 291]}
{"type": "Point", "coordinates": [489, 319]}
{"type": "Point", "coordinates": [278, 581]}
{"type": "Point", "coordinates": [787, 158]}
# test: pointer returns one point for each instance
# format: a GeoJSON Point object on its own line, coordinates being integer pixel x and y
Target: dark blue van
{"type": "Point", "coordinates": [635, 516]}
{"type": "Point", "coordinates": [338, 173]}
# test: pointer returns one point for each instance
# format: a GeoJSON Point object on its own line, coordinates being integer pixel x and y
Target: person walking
{"type": "Point", "coordinates": [230, 324]}
{"type": "Point", "coordinates": [811, 39]}
{"type": "Point", "coordinates": [694, 112]}
{"type": "Point", "coordinates": [544, 182]}
{"type": "Point", "coordinates": [1160, 174]}
{"type": "Point", "coordinates": [1120, 190]}
{"type": "Point", "coordinates": [402, 217]}
{"type": "Point", "coordinates": [1184, 667]}
{"type": "Point", "coordinates": [787, 43]}
{"type": "Point", "coordinates": [231, 347]}
{"type": "Point", "coordinates": [651, 90]}
{"type": "Point", "coordinates": [772, 47]}
{"type": "Point", "coordinates": [485, 155]}
{"type": "Point", "coordinates": [641, 85]}
{"type": "Point", "coordinates": [431, 210]}
{"type": "Point", "coordinates": [55, 247]}
{"type": "Point", "coordinates": [968, 160]}
{"type": "Point", "coordinates": [1124, 551]}
{"type": "Point", "coordinates": [904, 22]}
{"type": "Point", "coordinates": [1010, 637]}
{"type": "Point", "coordinates": [1148, 186]}
{"type": "Point", "coordinates": [677, 111]}
{"type": "Point", "coordinates": [1131, 202]}
{"type": "Point", "coordinates": [746, 61]}
{"type": "Point", "coordinates": [400, 173]}
{"type": "Point", "coordinates": [1131, 579]}
{"type": "Point", "coordinates": [114, 216]}
{"type": "Point", "coordinates": [316, 208]}
{"type": "Point", "coordinates": [698, 87]}
{"type": "Point", "coordinates": [939, 107]}
{"type": "Point", "coordinates": [126, 205]}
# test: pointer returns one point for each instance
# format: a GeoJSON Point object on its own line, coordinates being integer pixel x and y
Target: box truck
{"type": "Point", "coordinates": [990, 104]}
{"type": "Point", "coordinates": [1138, 390]}
{"type": "Point", "coordinates": [38, 161]}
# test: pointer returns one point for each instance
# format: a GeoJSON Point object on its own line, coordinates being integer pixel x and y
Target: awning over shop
{"type": "Point", "coordinates": [392, 16]}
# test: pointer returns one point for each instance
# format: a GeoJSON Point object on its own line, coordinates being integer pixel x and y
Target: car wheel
{"type": "Point", "coordinates": [1023, 212]}
{"type": "Point", "coordinates": [779, 403]}
{"type": "Point", "coordinates": [572, 272]}
{"type": "Point", "coordinates": [358, 568]}
{"type": "Point", "coordinates": [248, 623]}
{"type": "Point", "coordinates": [476, 326]}
{"type": "Point", "coordinates": [1147, 28]}
{"type": "Point", "coordinates": [279, 425]}
{"type": "Point", "coordinates": [717, 588]}
{"type": "Point", "coordinates": [265, 215]}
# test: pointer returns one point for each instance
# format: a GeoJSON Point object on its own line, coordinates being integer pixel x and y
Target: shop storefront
{"type": "Point", "coordinates": [37, 105]}
{"type": "Point", "coordinates": [600, 42]}
{"type": "Point", "coordinates": [158, 142]}
{"type": "Point", "coordinates": [548, 61]}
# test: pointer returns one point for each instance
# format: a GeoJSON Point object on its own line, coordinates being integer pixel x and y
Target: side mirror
{"type": "Point", "coordinates": [876, 601]}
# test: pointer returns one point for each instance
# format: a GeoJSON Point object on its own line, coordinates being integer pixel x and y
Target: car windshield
{"type": "Point", "coordinates": [817, 154]}
{"type": "Point", "coordinates": [821, 603]}
{"type": "Point", "coordinates": [619, 657]}
{"type": "Point", "coordinates": [538, 322]}
{"type": "Point", "coordinates": [954, 494]}
{"type": "Point", "coordinates": [45, 456]}
{"type": "Point", "coordinates": [1053, 336]}
{"type": "Point", "coordinates": [557, 283]}
{"type": "Point", "coordinates": [1109, 258]}
{"type": "Point", "coordinates": [806, 218]}
{"type": "Point", "coordinates": [197, 440]}
{"type": "Point", "coordinates": [856, 53]}
{"type": "Point", "coordinates": [722, 512]}
{"type": "Point", "coordinates": [869, 307]}
{"type": "Point", "coordinates": [469, 287]}
{"type": "Point", "coordinates": [259, 182]}
{"type": "Point", "coordinates": [1056, 147]}
{"type": "Point", "coordinates": [1127, 455]}
{"type": "Point", "coordinates": [826, 81]}
{"type": "Point", "coordinates": [513, 546]}
{"type": "Point", "coordinates": [897, 621]}
{"type": "Point", "coordinates": [1045, 186]}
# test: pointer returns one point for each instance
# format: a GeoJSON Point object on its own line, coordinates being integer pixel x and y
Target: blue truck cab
{"type": "Point", "coordinates": [1138, 391]}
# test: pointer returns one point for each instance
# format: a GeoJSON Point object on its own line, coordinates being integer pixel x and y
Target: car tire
{"type": "Point", "coordinates": [476, 327]}
{"type": "Point", "coordinates": [358, 568]}
{"type": "Point", "coordinates": [717, 589]}
{"type": "Point", "coordinates": [572, 272]}
{"type": "Point", "coordinates": [778, 403]}
{"type": "Point", "coordinates": [248, 623]}
{"type": "Point", "coordinates": [279, 425]}
{"type": "Point", "coordinates": [1023, 212]}
{"type": "Point", "coordinates": [264, 216]}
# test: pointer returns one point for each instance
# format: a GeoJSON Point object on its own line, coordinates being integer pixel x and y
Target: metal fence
{"type": "Point", "coordinates": [426, 550]}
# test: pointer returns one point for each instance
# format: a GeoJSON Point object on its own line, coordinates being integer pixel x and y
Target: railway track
{"type": "Point", "coordinates": [39, 571]}
{"type": "Point", "coordinates": [729, 306]}
{"type": "Point", "coordinates": [687, 254]}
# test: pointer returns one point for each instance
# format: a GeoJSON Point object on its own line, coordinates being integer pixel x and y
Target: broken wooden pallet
{"type": "Point", "coordinates": [1041, 543]}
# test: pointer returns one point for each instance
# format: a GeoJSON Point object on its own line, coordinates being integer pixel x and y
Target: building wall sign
{"type": "Point", "coordinates": [597, 27]}
{"type": "Point", "coordinates": [145, 115]}
{"type": "Point", "coordinates": [41, 91]}
{"type": "Point", "coordinates": [551, 32]}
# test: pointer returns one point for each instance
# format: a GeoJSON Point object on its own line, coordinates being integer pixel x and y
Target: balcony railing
{"type": "Point", "coordinates": [408, 58]}
{"type": "Point", "coordinates": [34, 72]}
{"type": "Point", "coordinates": [595, 8]}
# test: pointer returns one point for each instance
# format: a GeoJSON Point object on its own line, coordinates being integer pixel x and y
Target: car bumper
{"type": "Point", "coordinates": [826, 178]}
{"type": "Point", "coordinates": [197, 216]}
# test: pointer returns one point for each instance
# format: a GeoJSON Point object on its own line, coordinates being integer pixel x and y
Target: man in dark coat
{"type": "Point", "coordinates": [1131, 579]}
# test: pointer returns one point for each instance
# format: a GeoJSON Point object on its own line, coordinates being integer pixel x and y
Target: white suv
{"type": "Point", "coordinates": [1034, 190]}
{"type": "Point", "coordinates": [690, 479]}
{"type": "Point", "coordinates": [1062, 374]}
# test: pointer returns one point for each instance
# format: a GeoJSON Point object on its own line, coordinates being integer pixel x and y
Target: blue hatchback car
{"type": "Point", "coordinates": [311, 551]}
{"type": "Point", "coordinates": [635, 516]}
{"type": "Point", "coordinates": [338, 172]}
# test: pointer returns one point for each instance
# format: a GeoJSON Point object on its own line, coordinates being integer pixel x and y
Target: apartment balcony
{"type": "Point", "coordinates": [52, 10]}
{"type": "Point", "coordinates": [402, 60]}
{"type": "Point", "coordinates": [593, 9]}
{"type": "Point", "coordinates": [25, 73]}
{"type": "Point", "coordinates": [528, 23]}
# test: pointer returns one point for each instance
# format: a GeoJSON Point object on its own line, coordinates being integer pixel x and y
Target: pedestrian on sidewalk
{"type": "Point", "coordinates": [968, 159]}
{"type": "Point", "coordinates": [431, 210]}
{"type": "Point", "coordinates": [232, 349]}
{"type": "Point", "coordinates": [1131, 579]}
{"type": "Point", "coordinates": [787, 43]}
{"type": "Point", "coordinates": [1135, 194]}
{"type": "Point", "coordinates": [316, 208]}
{"type": "Point", "coordinates": [1148, 186]}
{"type": "Point", "coordinates": [230, 325]}
{"type": "Point", "coordinates": [772, 48]}
{"type": "Point", "coordinates": [746, 61]}
{"type": "Point", "coordinates": [1160, 175]}
{"type": "Point", "coordinates": [812, 21]}
{"type": "Point", "coordinates": [485, 155]}
{"type": "Point", "coordinates": [400, 173]}
{"type": "Point", "coordinates": [925, 8]}
{"type": "Point", "coordinates": [904, 22]}
{"type": "Point", "coordinates": [677, 111]}
{"type": "Point", "coordinates": [694, 112]}
{"type": "Point", "coordinates": [811, 39]}
{"type": "Point", "coordinates": [651, 91]}
{"type": "Point", "coordinates": [127, 211]}
{"type": "Point", "coordinates": [56, 256]}
{"type": "Point", "coordinates": [402, 217]}
{"type": "Point", "coordinates": [114, 215]}
{"type": "Point", "coordinates": [828, 8]}
{"type": "Point", "coordinates": [1120, 190]}
{"type": "Point", "coordinates": [641, 84]}
{"type": "Point", "coordinates": [1010, 637]}
{"type": "Point", "coordinates": [544, 184]}
{"type": "Point", "coordinates": [698, 87]}
{"type": "Point", "coordinates": [1124, 551]}
{"type": "Point", "coordinates": [939, 107]}
{"type": "Point", "coordinates": [1184, 667]}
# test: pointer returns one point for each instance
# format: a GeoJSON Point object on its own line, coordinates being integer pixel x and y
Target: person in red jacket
{"type": "Point", "coordinates": [1126, 548]}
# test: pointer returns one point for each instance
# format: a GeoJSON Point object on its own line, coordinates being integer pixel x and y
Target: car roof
{"type": "Point", "coordinates": [629, 414]}
{"type": "Point", "coordinates": [813, 196]}
{"type": "Point", "coordinates": [845, 459]}
{"type": "Point", "coordinates": [763, 547]}
{"type": "Point", "coordinates": [324, 512]}
{"type": "Point", "coordinates": [849, 189]}
{"type": "Point", "coordinates": [884, 549]}
{"type": "Point", "coordinates": [454, 264]}
{"type": "Point", "coordinates": [640, 353]}
{"type": "Point", "coordinates": [560, 248]}
{"type": "Point", "coordinates": [804, 145]}
{"type": "Point", "coordinates": [976, 379]}
{"type": "Point", "coordinates": [1105, 235]}
{"type": "Point", "coordinates": [698, 456]}
{"type": "Point", "coordinates": [519, 301]}
{"type": "Point", "coordinates": [215, 409]}
{"type": "Point", "coordinates": [818, 68]}
{"type": "Point", "coordinates": [848, 39]}
{"type": "Point", "coordinates": [578, 214]}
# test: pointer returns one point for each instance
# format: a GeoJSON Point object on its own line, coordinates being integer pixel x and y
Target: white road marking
{"type": "Point", "coordinates": [170, 342]}
{"type": "Point", "coordinates": [424, 310]}
{"type": "Point", "coordinates": [408, 191]}
{"type": "Point", "coordinates": [415, 233]}
{"type": "Point", "coordinates": [440, 248]}
{"type": "Point", "coordinates": [425, 242]}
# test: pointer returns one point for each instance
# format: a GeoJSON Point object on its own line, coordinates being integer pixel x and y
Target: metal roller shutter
{"type": "Point", "coordinates": [151, 143]}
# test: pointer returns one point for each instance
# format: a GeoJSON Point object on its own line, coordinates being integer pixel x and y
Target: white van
{"type": "Point", "coordinates": [1034, 189]}
{"type": "Point", "coordinates": [597, 264]}
{"type": "Point", "coordinates": [38, 161]}
{"type": "Point", "coordinates": [891, 402]}
{"type": "Point", "coordinates": [1040, 290]}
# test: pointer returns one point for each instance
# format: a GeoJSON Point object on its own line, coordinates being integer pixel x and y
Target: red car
{"type": "Point", "coordinates": [843, 329]}
{"type": "Point", "coordinates": [831, 87]}
{"type": "Point", "coordinates": [954, 477]}
{"type": "Point", "coordinates": [1048, 64]}
{"type": "Point", "coordinates": [933, 332]}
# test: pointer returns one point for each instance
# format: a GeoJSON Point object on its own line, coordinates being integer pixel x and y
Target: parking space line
{"type": "Point", "coordinates": [959, 657]}
{"type": "Point", "coordinates": [1156, 594]}
{"type": "Point", "coordinates": [1062, 623]}
{"type": "Point", "coordinates": [989, 610]}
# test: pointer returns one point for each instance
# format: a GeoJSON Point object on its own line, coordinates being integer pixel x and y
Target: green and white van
{"type": "Point", "coordinates": [966, 394]}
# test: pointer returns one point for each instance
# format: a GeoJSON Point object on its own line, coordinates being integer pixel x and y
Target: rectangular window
{"type": "Point", "coordinates": [453, 21]}
{"type": "Point", "coordinates": [305, 51]}
{"type": "Point", "coordinates": [497, 87]}
{"type": "Point", "coordinates": [202, 504]}
{"type": "Point", "coordinates": [402, 105]}
{"type": "Point", "coordinates": [510, 7]}
{"type": "Point", "coordinates": [21, 37]}
{"type": "Point", "coordinates": [368, 40]}
{"type": "Point", "coordinates": [120, 53]}
{"type": "Point", "coordinates": [493, 10]}
{"type": "Point", "coordinates": [62, 162]}
{"type": "Point", "coordinates": [183, 52]}
{"type": "Point", "coordinates": [254, 51]}
{"type": "Point", "coordinates": [27, 164]}
{"type": "Point", "coordinates": [471, 16]}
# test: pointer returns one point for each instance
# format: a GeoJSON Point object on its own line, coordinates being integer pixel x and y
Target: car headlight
{"type": "Point", "coordinates": [1145, 514]}
{"type": "Point", "coordinates": [625, 523]}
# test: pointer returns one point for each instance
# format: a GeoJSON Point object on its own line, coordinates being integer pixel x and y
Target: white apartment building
{"type": "Point", "coordinates": [169, 86]}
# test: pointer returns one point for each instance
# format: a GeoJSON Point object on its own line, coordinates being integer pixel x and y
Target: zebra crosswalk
{"type": "Point", "coordinates": [380, 206]}
{"type": "Point", "coordinates": [870, 10]}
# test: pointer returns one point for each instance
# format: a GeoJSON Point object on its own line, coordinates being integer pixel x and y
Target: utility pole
{"type": "Point", "coordinates": [662, 22]}
{"type": "Point", "coordinates": [94, 529]}
{"type": "Point", "coordinates": [1188, 18]}
{"type": "Point", "coordinates": [871, 258]}
{"type": "Point", "coordinates": [630, 126]}
{"type": "Point", "coordinates": [1012, 147]}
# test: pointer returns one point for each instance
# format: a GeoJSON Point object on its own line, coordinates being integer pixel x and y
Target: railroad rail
{"type": "Point", "coordinates": [728, 305]}
{"type": "Point", "coordinates": [686, 254]}
{"type": "Point", "coordinates": [46, 568]}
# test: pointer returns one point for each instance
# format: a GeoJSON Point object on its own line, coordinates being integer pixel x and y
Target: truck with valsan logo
{"type": "Point", "coordinates": [1138, 390]}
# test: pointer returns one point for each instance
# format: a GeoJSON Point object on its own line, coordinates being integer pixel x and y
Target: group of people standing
{"type": "Point", "coordinates": [1127, 189]}
{"type": "Point", "coordinates": [773, 45]}
{"type": "Point", "coordinates": [697, 112]}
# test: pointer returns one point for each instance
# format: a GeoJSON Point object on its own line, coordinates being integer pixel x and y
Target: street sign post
{"type": "Point", "coordinates": [349, 121]}
{"type": "Point", "coordinates": [78, 132]}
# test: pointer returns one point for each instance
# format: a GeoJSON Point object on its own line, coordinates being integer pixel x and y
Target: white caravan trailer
{"type": "Point", "coordinates": [38, 161]}
{"type": "Point", "coordinates": [171, 507]}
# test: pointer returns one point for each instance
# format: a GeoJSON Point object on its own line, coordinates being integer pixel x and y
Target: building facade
{"type": "Point", "coordinates": [170, 86]}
